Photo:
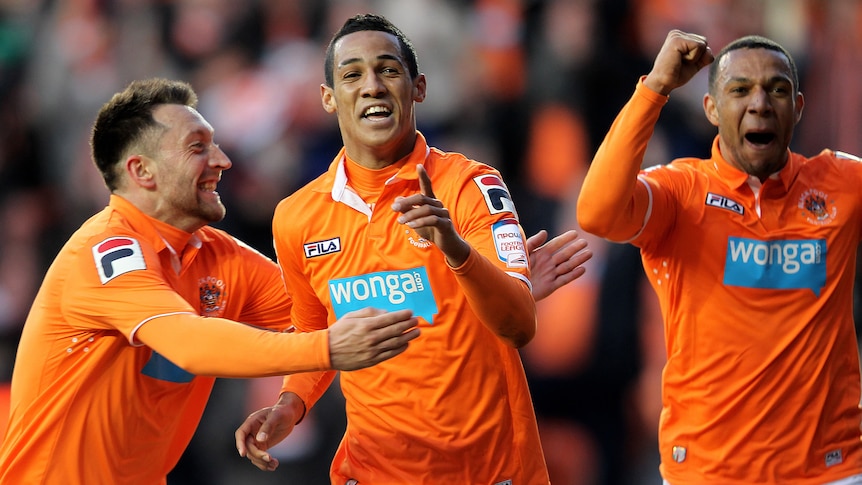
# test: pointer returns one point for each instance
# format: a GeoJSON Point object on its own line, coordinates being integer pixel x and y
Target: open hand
{"type": "Point", "coordinates": [369, 336]}
{"type": "Point", "coordinates": [557, 262]}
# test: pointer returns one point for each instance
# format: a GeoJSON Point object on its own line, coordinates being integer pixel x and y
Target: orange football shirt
{"type": "Point", "coordinates": [755, 283]}
{"type": "Point", "coordinates": [90, 404]}
{"type": "Point", "coordinates": [455, 407]}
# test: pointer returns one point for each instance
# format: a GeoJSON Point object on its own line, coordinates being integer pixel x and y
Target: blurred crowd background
{"type": "Point", "coordinates": [529, 86]}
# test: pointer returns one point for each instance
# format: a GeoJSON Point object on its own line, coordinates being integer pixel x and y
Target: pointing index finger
{"type": "Point", "coordinates": [424, 182]}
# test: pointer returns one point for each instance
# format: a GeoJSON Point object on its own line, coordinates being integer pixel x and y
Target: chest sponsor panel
{"type": "Point", "coordinates": [387, 290]}
{"type": "Point", "coordinates": [778, 264]}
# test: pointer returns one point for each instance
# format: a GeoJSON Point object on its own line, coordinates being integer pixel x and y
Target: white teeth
{"type": "Point", "coordinates": [376, 110]}
{"type": "Point", "coordinates": [208, 187]}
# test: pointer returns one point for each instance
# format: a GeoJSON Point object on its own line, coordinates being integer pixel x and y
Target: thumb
{"type": "Point", "coordinates": [265, 428]}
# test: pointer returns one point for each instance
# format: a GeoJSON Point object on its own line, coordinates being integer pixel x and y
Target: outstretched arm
{"type": "Point", "coordinates": [224, 348]}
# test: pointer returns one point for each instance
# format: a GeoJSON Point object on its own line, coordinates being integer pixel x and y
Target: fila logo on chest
{"type": "Point", "coordinates": [321, 248]}
{"type": "Point", "coordinates": [723, 202]}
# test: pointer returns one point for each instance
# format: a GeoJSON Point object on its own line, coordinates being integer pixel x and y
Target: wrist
{"type": "Point", "coordinates": [293, 403]}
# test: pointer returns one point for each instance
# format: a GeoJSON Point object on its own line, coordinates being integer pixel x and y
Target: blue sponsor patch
{"type": "Point", "coordinates": [786, 264]}
{"type": "Point", "coordinates": [158, 367]}
{"type": "Point", "coordinates": [387, 290]}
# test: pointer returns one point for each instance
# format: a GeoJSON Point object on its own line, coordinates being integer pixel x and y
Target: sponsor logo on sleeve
{"type": "Point", "coordinates": [782, 264]}
{"type": "Point", "coordinates": [116, 256]}
{"type": "Point", "coordinates": [386, 290]}
{"type": "Point", "coordinates": [509, 243]}
{"type": "Point", "coordinates": [723, 202]}
{"type": "Point", "coordinates": [320, 248]}
{"type": "Point", "coordinates": [496, 194]}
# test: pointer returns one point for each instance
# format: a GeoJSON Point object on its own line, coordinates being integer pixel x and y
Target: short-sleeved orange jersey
{"type": "Point", "coordinates": [755, 282]}
{"type": "Point", "coordinates": [455, 407]}
{"type": "Point", "coordinates": [89, 403]}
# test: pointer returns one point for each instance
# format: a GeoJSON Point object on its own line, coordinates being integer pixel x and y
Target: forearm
{"type": "Point", "coordinates": [509, 310]}
{"type": "Point", "coordinates": [609, 204]}
{"type": "Point", "coordinates": [223, 348]}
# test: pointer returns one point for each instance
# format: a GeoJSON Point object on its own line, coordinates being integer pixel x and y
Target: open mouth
{"type": "Point", "coordinates": [208, 187]}
{"type": "Point", "coordinates": [760, 138]}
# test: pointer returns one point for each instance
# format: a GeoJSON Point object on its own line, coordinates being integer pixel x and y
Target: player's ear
{"type": "Point", "coordinates": [800, 103]}
{"type": "Point", "coordinates": [420, 88]}
{"type": "Point", "coordinates": [710, 109]}
{"type": "Point", "coordinates": [327, 98]}
{"type": "Point", "coordinates": [138, 168]}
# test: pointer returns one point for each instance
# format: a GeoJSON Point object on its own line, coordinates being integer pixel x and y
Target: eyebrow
{"type": "Point", "coordinates": [381, 57]}
{"type": "Point", "coordinates": [773, 79]}
{"type": "Point", "coordinates": [198, 132]}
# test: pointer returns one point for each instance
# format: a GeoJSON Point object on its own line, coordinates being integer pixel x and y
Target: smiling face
{"type": "Point", "coordinates": [373, 96]}
{"type": "Point", "coordinates": [755, 106]}
{"type": "Point", "coordinates": [186, 167]}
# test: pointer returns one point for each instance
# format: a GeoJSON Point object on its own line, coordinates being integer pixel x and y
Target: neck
{"type": "Point", "coordinates": [379, 157]}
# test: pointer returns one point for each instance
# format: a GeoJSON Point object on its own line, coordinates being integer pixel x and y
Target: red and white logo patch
{"type": "Point", "coordinates": [117, 255]}
{"type": "Point", "coordinates": [510, 243]}
{"type": "Point", "coordinates": [496, 194]}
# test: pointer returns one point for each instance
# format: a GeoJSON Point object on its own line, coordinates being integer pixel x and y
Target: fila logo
{"type": "Point", "coordinates": [319, 248]}
{"type": "Point", "coordinates": [117, 255]}
{"type": "Point", "coordinates": [723, 202]}
{"type": "Point", "coordinates": [834, 458]}
{"type": "Point", "coordinates": [496, 194]}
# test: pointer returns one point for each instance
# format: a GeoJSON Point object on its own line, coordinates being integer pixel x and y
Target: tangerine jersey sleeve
{"type": "Point", "coordinates": [224, 348]}
{"type": "Point", "coordinates": [613, 203]}
{"type": "Point", "coordinates": [486, 218]}
{"type": "Point", "coordinates": [509, 310]}
{"type": "Point", "coordinates": [309, 386]}
{"type": "Point", "coordinates": [143, 306]}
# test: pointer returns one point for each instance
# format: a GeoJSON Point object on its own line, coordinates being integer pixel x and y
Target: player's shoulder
{"type": "Point", "coordinates": [679, 167]}
{"type": "Point", "coordinates": [845, 165]}
{"type": "Point", "coordinates": [828, 155]}
{"type": "Point", "coordinates": [454, 169]}
{"type": "Point", "coordinates": [106, 228]}
{"type": "Point", "coordinates": [105, 246]}
{"type": "Point", "coordinates": [309, 196]}
{"type": "Point", "coordinates": [844, 156]}
{"type": "Point", "coordinates": [457, 159]}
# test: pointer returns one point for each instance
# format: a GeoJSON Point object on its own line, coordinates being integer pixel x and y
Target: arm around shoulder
{"type": "Point", "coordinates": [224, 348]}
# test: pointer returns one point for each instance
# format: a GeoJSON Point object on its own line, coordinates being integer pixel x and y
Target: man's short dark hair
{"type": "Point", "coordinates": [363, 22]}
{"type": "Point", "coordinates": [127, 119]}
{"type": "Point", "coordinates": [752, 42]}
